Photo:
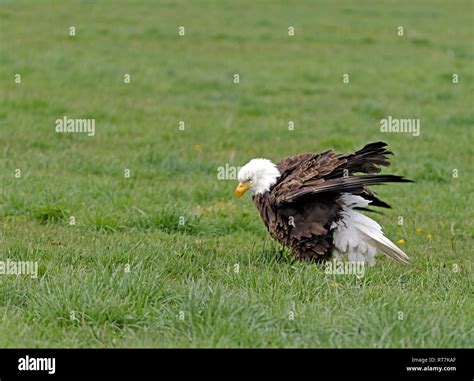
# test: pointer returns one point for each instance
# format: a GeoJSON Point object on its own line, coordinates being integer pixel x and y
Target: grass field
{"type": "Point", "coordinates": [130, 273]}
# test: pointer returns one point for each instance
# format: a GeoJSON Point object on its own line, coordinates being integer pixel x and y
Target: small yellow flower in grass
{"type": "Point", "coordinates": [197, 148]}
{"type": "Point", "coordinates": [429, 236]}
{"type": "Point", "coordinates": [333, 284]}
{"type": "Point", "coordinates": [401, 241]}
{"type": "Point", "coordinates": [418, 230]}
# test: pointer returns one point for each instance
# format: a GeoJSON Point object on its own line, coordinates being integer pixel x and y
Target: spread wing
{"type": "Point", "coordinates": [309, 174]}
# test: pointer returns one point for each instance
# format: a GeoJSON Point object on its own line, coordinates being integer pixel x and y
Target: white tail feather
{"type": "Point", "coordinates": [384, 244]}
{"type": "Point", "coordinates": [358, 236]}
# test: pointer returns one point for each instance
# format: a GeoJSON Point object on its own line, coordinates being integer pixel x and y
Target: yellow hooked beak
{"type": "Point", "coordinates": [242, 188]}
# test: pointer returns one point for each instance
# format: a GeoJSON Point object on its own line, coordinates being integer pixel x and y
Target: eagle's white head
{"type": "Point", "coordinates": [258, 175]}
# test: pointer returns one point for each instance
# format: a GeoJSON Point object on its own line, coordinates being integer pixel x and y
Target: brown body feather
{"type": "Point", "coordinates": [300, 208]}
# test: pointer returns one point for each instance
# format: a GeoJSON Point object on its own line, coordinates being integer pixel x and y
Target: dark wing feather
{"type": "Point", "coordinates": [368, 159]}
{"type": "Point", "coordinates": [289, 164]}
{"type": "Point", "coordinates": [328, 172]}
{"type": "Point", "coordinates": [354, 184]}
{"type": "Point", "coordinates": [304, 170]}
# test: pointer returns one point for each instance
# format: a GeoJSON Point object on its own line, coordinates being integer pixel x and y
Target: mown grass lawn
{"type": "Point", "coordinates": [169, 256]}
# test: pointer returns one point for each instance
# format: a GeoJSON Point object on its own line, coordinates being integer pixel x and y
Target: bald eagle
{"type": "Point", "coordinates": [311, 203]}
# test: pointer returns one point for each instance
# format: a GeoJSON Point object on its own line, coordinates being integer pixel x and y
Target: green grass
{"type": "Point", "coordinates": [183, 288]}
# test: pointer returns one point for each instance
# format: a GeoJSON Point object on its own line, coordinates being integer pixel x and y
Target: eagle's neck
{"type": "Point", "coordinates": [266, 180]}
